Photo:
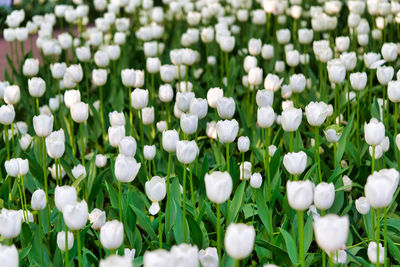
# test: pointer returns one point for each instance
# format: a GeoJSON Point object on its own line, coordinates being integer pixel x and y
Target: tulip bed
{"type": "Point", "coordinates": [201, 133]}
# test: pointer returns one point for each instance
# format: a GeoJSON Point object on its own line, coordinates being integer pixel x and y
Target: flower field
{"type": "Point", "coordinates": [201, 133]}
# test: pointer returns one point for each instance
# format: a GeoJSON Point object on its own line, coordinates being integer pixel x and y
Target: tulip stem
{"type": "Point", "coordinates": [377, 236]}
{"type": "Point", "coordinates": [317, 153]}
{"type": "Point", "coordinates": [268, 174]}
{"type": "Point", "coordinates": [227, 157]}
{"type": "Point", "coordinates": [335, 155]}
{"type": "Point", "coordinates": [40, 238]}
{"type": "Point", "coordinates": [82, 144]}
{"type": "Point", "coordinates": [7, 142]}
{"type": "Point", "coordinates": [291, 139]}
{"type": "Point", "coordinates": [45, 179]}
{"type": "Point", "coordinates": [71, 137]}
{"type": "Point", "coordinates": [395, 135]}
{"type": "Point", "coordinates": [24, 198]}
{"type": "Point", "coordinates": [37, 105]}
{"type": "Point", "coordinates": [78, 239]}
{"type": "Point", "coordinates": [168, 198]}
{"type": "Point", "coordinates": [227, 69]}
{"type": "Point", "coordinates": [385, 235]}
{"type": "Point", "coordinates": [370, 87]}
{"type": "Point", "coordinates": [207, 66]}
{"type": "Point", "coordinates": [373, 160]}
{"type": "Point", "coordinates": [66, 249]}
{"type": "Point", "coordinates": [237, 263]}
{"type": "Point", "coordinates": [103, 129]}
{"type": "Point", "coordinates": [141, 128]}
{"type": "Point", "coordinates": [184, 203]}
{"type": "Point", "coordinates": [192, 189]}
{"type": "Point", "coordinates": [160, 229]}
{"type": "Point", "coordinates": [119, 201]}
{"type": "Point", "coordinates": [358, 119]}
{"type": "Point", "coordinates": [152, 87]}
{"type": "Point", "coordinates": [300, 228]}
{"type": "Point", "coordinates": [219, 235]}
{"type": "Point", "coordinates": [22, 201]}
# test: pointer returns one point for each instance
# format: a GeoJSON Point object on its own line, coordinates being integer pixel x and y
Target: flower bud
{"type": "Point", "coordinates": [139, 98]}
{"type": "Point", "coordinates": [80, 112]}
{"type": "Point", "coordinates": [380, 187]}
{"type": "Point", "coordinates": [43, 125]}
{"type": "Point", "coordinates": [126, 168]}
{"type": "Point", "coordinates": [99, 77]}
{"type": "Point", "coordinates": [389, 52]}
{"type": "Point", "coordinates": [316, 113]}
{"type": "Point", "coordinates": [213, 95]}
{"type": "Point", "coordinates": [265, 117]}
{"type": "Point", "coordinates": [7, 114]}
{"type": "Point", "coordinates": [101, 161]}
{"type": "Point", "coordinates": [374, 132]}
{"type": "Point", "coordinates": [30, 67]}
{"type": "Point", "coordinates": [97, 218]}
{"type": "Point", "coordinates": [36, 87]}
{"type": "Point", "coordinates": [61, 240]}
{"type": "Point", "coordinates": [331, 232]}
{"type": "Point", "coordinates": [9, 256]}
{"type": "Point", "coordinates": [183, 100]}
{"type": "Point", "coordinates": [115, 134]}
{"type": "Point", "coordinates": [291, 119]}
{"type": "Point", "coordinates": [71, 97]}
{"type": "Point", "coordinates": [245, 170]}
{"type": "Point", "coordinates": [64, 195]}
{"type": "Point", "coordinates": [10, 223]}
{"type": "Point", "coordinates": [358, 80]}
{"type": "Point", "coordinates": [384, 74]}
{"type": "Point", "coordinates": [186, 151]}
{"type": "Point", "coordinates": [128, 77]}
{"type": "Point", "coordinates": [218, 186]}
{"type": "Point", "coordinates": [324, 195]}
{"type": "Point", "coordinates": [256, 180]}
{"type": "Point", "coordinates": [112, 234]}
{"type": "Point", "coordinates": [127, 146]}
{"type": "Point", "coordinates": [300, 194]}
{"type": "Point", "coordinates": [227, 130]}
{"type": "Point", "coordinates": [243, 144]}
{"type": "Point", "coordinates": [12, 94]}
{"type": "Point", "coordinates": [55, 144]}
{"type": "Point", "coordinates": [362, 205]}
{"type": "Point", "coordinates": [239, 240]}
{"type": "Point", "coordinates": [149, 152]}
{"type": "Point", "coordinates": [169, 140]}
{"type": "Point", "coordinates": [226, 107]}
{"type": "Point", "coordinates": [209, 257]}
{"type": "Point", "coordinates": [166, 93]}
{"type": "Point", "coordinates": [372, 253]}
{"type": "Point", "coordinates": [38, 201]}
{"type": "Point", "coordinates": [75, 215]}
{"type": "Point", "coordinates": [198, 107]}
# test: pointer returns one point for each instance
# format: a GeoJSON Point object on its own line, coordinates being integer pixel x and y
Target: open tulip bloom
{"type": "Point", "coordinates": [179, 133]}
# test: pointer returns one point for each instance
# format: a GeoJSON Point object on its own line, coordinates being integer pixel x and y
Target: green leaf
{"type": "Point", "coordinates": [236, 203]}
{"type": "Point", "coordinates": [144, 222]}
{"type": "Point", "coordinates": [263, 210]}
{"type": "Point", "coordinates": [290, 246]}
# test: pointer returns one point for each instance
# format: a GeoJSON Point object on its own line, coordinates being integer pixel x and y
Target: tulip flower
{"type": "Point", "coordinates": [239, 240]}
{"type": "Point", "coordinates": [9, 256]}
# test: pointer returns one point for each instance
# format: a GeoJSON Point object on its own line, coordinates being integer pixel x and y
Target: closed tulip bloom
{"type": "Point", "coordinates": [226, 107]}
{"type": "Point", "coordinates": [324, 195]}
{"type": "Point", "coordinates": [380, 187]}
{"type": "Point", "coordinates": [115, 134]}
{"type": "Point", "coordinates": [36, 86]}
{"type": "Point", "coordinates": [249, 63]}
{"type": "Point", "coordinates": [370, 58]}
{"type": "Point", "coordinates": [183, 100]}
{"type": "Point", "coordinates": [55, 144]}
{"type": "Point", "coordinates": [166, 93]}
{"type": "Point", "coordinates": [362, 205]}
{"type": "Point", "coordinates": [149, 152]}
{"type": "Point", "coordinates": [227, 43]}
{"type": "Point", "coordinates": [267, 51]}
{"type": "Point", "coordinates": [43, 125]}
{"type": "Point", "coordinates": [128, 77]}
{"type": "Point", "coordinates": [112, 234]}
{"type": "Point", "coordinates": [38, 200]}
{"type": "Point", "coordinates": [239, 240]}
{"type": "Point", "coordinates": [126, 168]}
{"type": "Point", "coordinates": [295, 162]}
{"type": "Point", "coordinates": [80, 112]}
{"type": "Point", "coordinates": [61, 240]}
{"type": "Point", "coordinates": [116, 118]}
{"type": "Point", "coordinates": [394, 91]}
{"type": "Point", "coordinates": [9, 256]}
{"type": "Point", "coordinates": [227, 130]}
{"type": "Point", "coordinates": [99, 77]}
{"type": "Point", "coordinates": [76, 215]}
{"type": "Point", "coordinates": [342, 43]}
{"type": "Point", "coordinates": [291, 119]}
{"type": "Point", "coordinates": [71, 97]}
{"type": "Point", "coordinates": [213, 95]}
{"type": "Point", "coordinates": [384, 74]}
{"type": "Point", "coordinates": [153, 65]}
{"type": "Point", "coordinates": [349, 60]}
{"type": "Point", "coordinates": [155, 191]}
{"type": "Point", "coordinates": [198, 107]}
{"type": "Point", "coordinates": [331, 232]}
{"type": "Point", "coordinates": [358, 80]}
{"type": "Point", "coordinates": [283, 36]}
{"type": "Point", "coordinates": [116, 261]}
{"type": "Point", "coordinates": [336, 71]}
{"type": "Point", "coordinates": [297, 83]}
{"type": "Point", "coordinates": [256, 180]}
{"type": "Point", "coordinates": [113, 52]}
{"type": "Point", "coordinates": [243, 144]}
{"type": "Point", "coordinates": [209, 257]}
{"type": "Point", "coordinates": [265, 117]}
{"type": "Point", "coordinates": [264, 98]}
{"type": "Point", "coordinates": [139, 98]}
{"type": "Point", "coordinates": [64, 195]}
{"type": "Point", "coordinates": [316, 113]}
{"type": "Point", "coordinates": [101, 59]}
{"type": "Point", "coordinates": [12, 167]}
{"type": "Point", "coordinates": [23, 166]}
{"type": "Point", "coordinates": [245, 170]}
{"type": "Point", "coordinates": [97, 218]}
{"type": "Point", "coordinates": [169, 140]}
{"type": "Point", "coordinates": [254, 46]}
{"type": "Point", "coordinates": [218, 186]}
{"type": "Point", "coordinates": [167, 73]}
{"type": "Point", "coordinates": [300, 194]}
{"type": "Point", "coordinates": [189, 123]}
{"type": "Point", "coordinates": [372, 253]}
{"type": "Point", "coordinates": [75, 72]}
{"type": "Point", "coordinates": [186, 151]}
{"type": "Point", "coordinates": [374, 132]}
{"type": "Point", "coordinates": [78, 171]}
{"type": "Point", "coordinates": [255, 76]}
{"type": "Point", "coordinates": [155, 258]}
{"type": "Point", "coordinates": [12, 94]}
{"type": "Point", "coordinates": [30, 67]}
{"type": "Point", "coordinates": [305, 36]}
{"type": "Point", "coordinates": [7, 114]}
{"type": "Point", "coordinates": [127, 146]}
{"type": "Point", "coordinates": [10, 223]}
{"type": "Point", "coordinates": [101, 161]}
{"type": "Point", "coordinates": [272, 82]}
{"type": "Point", "coordinates": [83, 53]}
{"type": "Point", "coordinates": [389, 51]}
{"type": "Point", "coordinates": [332, 136]}
{"type": "Point", "coordinates": [293, 58]}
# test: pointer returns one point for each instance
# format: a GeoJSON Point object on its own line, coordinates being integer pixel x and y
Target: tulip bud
{"type": "Point", "coordinates": [167, 73]}
{"type": "Point", "coordinates": [83, 53]}
{"type": "Point", "coordinates": [243, 144]}
{"type": "Point", "coordinates": [245, 170]}
{"type": "Point", "coordinates": [189, 123]}
{"type": "Point", "coordinates": [256, 180]}
{"type": "Point", "coordinates": [64, 195]}
{"type": "Point", "coordinates": [358, 80]}
{"type": "Point", "coordinates": [7, 114]}
{"type": "Point", "coordinates": [36, 87]}
{"type": "Point", "coordinates": [324, 195]}
{"type": "Point", "coordinates": [336, 71]}
{"type": "Point", "coordinates": [198, 107]}
{"type": "Point", "coordinates": [331, 232]}
{"type": "Point", "coordinates": [265, 117]}
{"type": "Point", "coordinates": [227, 130]}
{"type": "Point", "coordinates": [97, 218]}
{"type": "Point", "coordinates": [101, 59]}
{"type": "Point", "coordinates": [372, 253]}
{"type": "Point", "coordinates": [394, 91]}
{"type": "Point", "coordinates": [347, 182]}
{"type": "Point", "coordinates": [209, 257]}
{"type": "Point", "coordinates": [166, 93]}
{"type": "Point", "coordinates": [300, 194]}
{"type": "Point", "coordinates": [362, 205]}
{"type": "Point", "coordinates": [71, 97]}
{"type": "Point", "coordinates": [213, 95]}
{"type": "Point", "coordinates": [226, 107]}
{"type": "Point", "coordinates": [169, 140]}
{"type": "Point", "coordinates": [12, 94]}
{"type": "Point", "coordinates": [374, 132]}
{"type": "Point", "coordinates": [183, 100]}
{"type": "Point", "coordinates": [61, 240]}
{"type": "Point", "coordinates": [126, 168]}
{"type": "Point", "coordinates": [112, 234]}
{"type": "Point", "coordinates": [139, 98]}
{"type": "Point", "coordinates": [127, 146]}
{"type": "Point", "coordinates": [99, 77]}
{"type": "Point", "coordinates": [38, 201]}
{"type": "Point", "coordinates": [316, 113]}
{"type": "Point", "coordinates": [128, 77]}
{"type": "Point", "coordinates": [155, 191]}
{"type": "Point", "coordinates": [12, 167]}
{"type": "Point", "coordinates": [291, 119]}
{"type": "Point", "coordinates": [342, 43]}
{"type": "Point", "coordinates": [218, 186]}
{"type": "Point", "coordinates": [380, 187]}
{"type": "Point", "coordinates": [75, 215]}
{"type": "Point", "coordinates": [186, 151]}
{"type": "Point", "coordinates": [149, 152]}
{"type": "Point", "coordinates": [115, 134]}
{"type": "Point", "coordinates": [389, 52]}
{"type": "Point", "coordinates": [239, 240]}
{"type": "Point", "coordinates": [255, 76]}
{"type": "Point", "coordinates": [79, 171]}
{"type": "Point", "coordinates": [384, 74]}
{"type": "Point", "coordinates": [9, 256]}
{"type": "Point", "coordinates": [272, 82]}
{"type": "Point", "coordinates": [23, 166]}
{"type": "Point", "coordinates": [30, 67]}
{"type": "Point", "coordinates": [10, 223]}
{"type": "Point", "coordinates": [55, 144]}
{"type": "Point", "coordinates": [80, 112]}
{"type": "Point", "coordinates": [297, 83]}
{"type": "Point", "coordinates": [101, 161]}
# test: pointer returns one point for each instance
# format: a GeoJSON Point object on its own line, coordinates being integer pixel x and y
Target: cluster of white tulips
{"type": "Point", "coordinates": [201, 133]}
